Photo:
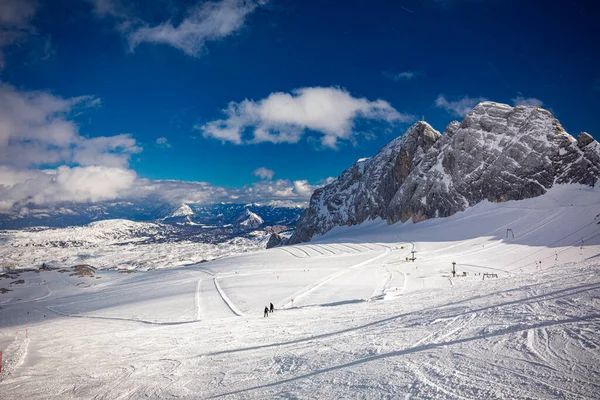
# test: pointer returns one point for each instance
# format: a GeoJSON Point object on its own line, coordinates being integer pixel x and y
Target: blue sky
{"type": "Point", "coordinates": [313, 86]}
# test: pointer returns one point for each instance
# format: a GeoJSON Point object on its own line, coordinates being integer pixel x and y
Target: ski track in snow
{"type": "Point", "coordinates": [198, 331]}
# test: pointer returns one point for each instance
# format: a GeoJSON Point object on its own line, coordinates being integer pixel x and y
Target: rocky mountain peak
{"type": "Point", "coordinates": [497, 153]}
{"type": "Point", "coordinates": [584, 139]}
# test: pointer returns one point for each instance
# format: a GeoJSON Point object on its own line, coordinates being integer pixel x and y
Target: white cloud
{"type": "Point", "coordinates": [284, 117]}
{"type": "Point", "coordinates": [402, 76]}
{"type": "Point", "coordinates": [112, 8]}
{"type": "Point", "coordinates": [207, 21]}
{"type": "Point", "coordinates": [460, 107]}
{"type": "Point", "coordinates": [15, 23]}
{"type": "Point", "coordinates": [36, 129]}
{"type": "Point", "coordinates": [264, 173]}
{"type": "Point", "coordinates": [163, 142]}
{"type": "Point", "coordinates": [63, 184]}
{"type": "Point", "coordinates": [529, 101]}
{"type": "Point", "coordinates": [25, 187]}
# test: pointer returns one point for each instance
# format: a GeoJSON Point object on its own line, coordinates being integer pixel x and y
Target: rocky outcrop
{"type": "Point", "coordinates": [496, 153]}
{"type": "Point", "coordinates": [365, 190]}
{"type": "Point", "coordinates": [275, 240]}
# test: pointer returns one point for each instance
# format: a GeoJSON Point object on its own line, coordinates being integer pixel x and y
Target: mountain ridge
{"type": "Point", "coordinates": [496, 153]}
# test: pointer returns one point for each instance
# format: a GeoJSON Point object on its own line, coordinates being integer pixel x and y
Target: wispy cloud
{"type": "Point", "coordinates": [460, 107]}
{"type": "Point", "coordinates": [15, 23]}
{"type": "Point", "coordinates": [264, 173]}
{"type": "Point", "coordinates": [402, 76]}
{"type": "Point", "coordinates": [203, 22]}
{"type": "Point", "coordinates": [527, 101]}
{"type": "Point", "coordinates": [285, 117]}
{"type": "Point", "coordinates": [163, 142]}
{"type": "Point", "coordinates": [105, 8]}
{"type": "Point", "coordinates": [36, 128]}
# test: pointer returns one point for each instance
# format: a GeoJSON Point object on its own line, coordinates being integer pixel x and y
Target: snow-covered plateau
{"type": "Point", "coordinates": [120, 244]}
{"type": "Point", "coordinates": [354, 316]}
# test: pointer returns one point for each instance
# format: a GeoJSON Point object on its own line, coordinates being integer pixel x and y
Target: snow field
{"type": "Point", "coordinates": [365, 322]}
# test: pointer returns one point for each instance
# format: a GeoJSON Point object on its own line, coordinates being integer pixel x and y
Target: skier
{"type": "Point", "coordinates": [272, 308]}
{"type": "Point", "coordinates": [266, 311]}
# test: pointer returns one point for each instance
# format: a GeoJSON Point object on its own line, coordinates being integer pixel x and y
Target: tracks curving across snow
{"type": "Point", "coordinates": [307, 290]}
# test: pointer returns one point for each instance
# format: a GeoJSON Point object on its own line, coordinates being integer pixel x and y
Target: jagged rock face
{"type": "Point", "coordinates": [275, 240]}
{"type": "Point", "coordinates": [365, 190]}
{"type": "Point", "coordinates": [497, 153]}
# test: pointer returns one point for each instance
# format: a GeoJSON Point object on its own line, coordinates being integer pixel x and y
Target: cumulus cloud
{"type": "Point", "coordinates": [402, 76]}
{"type": "Point", "coordinates": [26, 187]}
{"type": "Point", "coordinates": [285, 117]}
{"type": "Point", "coordinates": [460, 107]}
{"type": "Point", "coordinates": [36, 129]}
{"type": "Point", "coordinates": [527, 101]}
{"type": "Point", "coordinates": [177, 192]}
{"type": "Point", "coordinates": [163, 142]}
{"type": "Point", "coordinates": [264, 173]}
{"type": "Point", "coordinates": [280, 189]}
{"type": "Point", "coordinates": [15, 23]}
{"type": "Point", "coordinates": [63, 184]}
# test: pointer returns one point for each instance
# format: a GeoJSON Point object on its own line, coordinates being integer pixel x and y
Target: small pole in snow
{"type": "Point", "coordinates": [453, 269]}
{"type": "Point", "coordinates": [26, 333]}
{"type": "Point", "coordinates": [0, 361]}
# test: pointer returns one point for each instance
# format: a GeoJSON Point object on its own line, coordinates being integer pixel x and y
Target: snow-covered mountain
{"type": "Point", "coordinates": [214, 215]}
{"type": "Point", "coordinates": [182, 211]}
{"type": "Point", "coordinates": [496, 153]}
{"type": "Point", "coordinates": [182, 214]}
{"type": "Point", "coordinates": [249, 220]}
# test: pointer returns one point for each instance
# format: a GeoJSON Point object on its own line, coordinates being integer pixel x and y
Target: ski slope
{"type": "Point", "coordinates": [364, 321]}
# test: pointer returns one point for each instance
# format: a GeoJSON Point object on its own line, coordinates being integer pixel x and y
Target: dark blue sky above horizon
{"type": "Point", "coordinates": [406, 53]}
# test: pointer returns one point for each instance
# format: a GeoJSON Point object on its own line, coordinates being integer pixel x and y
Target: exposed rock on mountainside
{"type": "Point", "coordinates": [497, 153]}
{"type": "Point", "coordinates": [365, 189]}
{"type": "Point", "coordinates": [275, 240]}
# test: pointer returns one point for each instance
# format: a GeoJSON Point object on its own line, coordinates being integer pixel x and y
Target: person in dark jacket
{"type": "Point", "coordinates": [272, 308]}
{"type": "Point", "coordinates": [266, 311]}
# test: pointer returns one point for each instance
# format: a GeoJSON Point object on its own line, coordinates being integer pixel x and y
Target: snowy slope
{"type": "Point", "coordinates": [365, 323]}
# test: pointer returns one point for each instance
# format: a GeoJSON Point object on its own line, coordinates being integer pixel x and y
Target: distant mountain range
{"type": "Point", "coordinates": [129, 235]}
{"type": "Point", "coordinates": [205, 216]}
{"type": "Point", "coordinates": [497, 153]}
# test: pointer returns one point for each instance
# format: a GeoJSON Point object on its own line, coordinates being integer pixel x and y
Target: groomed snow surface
{"type": "Point", "coordinates": [365, 323]}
